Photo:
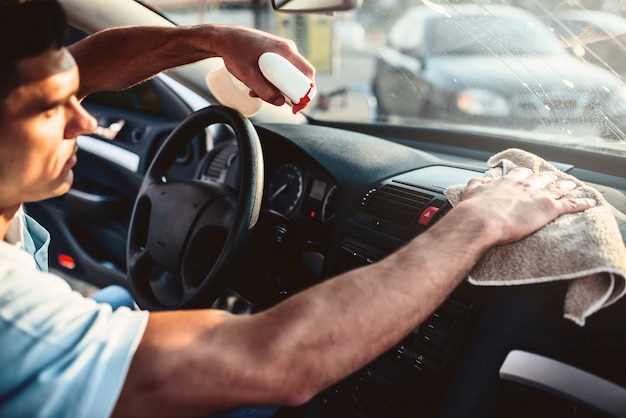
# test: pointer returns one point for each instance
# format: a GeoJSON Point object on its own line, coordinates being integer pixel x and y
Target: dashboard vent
{"type": "Point", "coordinates": [397, 204]}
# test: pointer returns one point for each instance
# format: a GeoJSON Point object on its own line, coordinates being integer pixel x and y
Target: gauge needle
{"type": "Point", "coordinates": [277, 192]}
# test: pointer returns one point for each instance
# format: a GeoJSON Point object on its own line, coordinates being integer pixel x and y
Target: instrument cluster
{"type": "Point", "coordinates": [301, 192]}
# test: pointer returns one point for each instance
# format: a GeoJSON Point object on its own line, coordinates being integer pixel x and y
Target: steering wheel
{"type": "Point", "coordinates": [185, 235]}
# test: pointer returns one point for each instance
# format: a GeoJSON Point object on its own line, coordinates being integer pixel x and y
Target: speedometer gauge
{"type": "Point", "coordinates": [285, 188]}
{"type": "Point", "coordinates": [328, 206]}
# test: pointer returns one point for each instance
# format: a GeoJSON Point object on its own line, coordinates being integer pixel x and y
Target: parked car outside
{"type": "Point", "coordinates": [492, 65]}
{"type": "Point", "coordinates": [594, 36]}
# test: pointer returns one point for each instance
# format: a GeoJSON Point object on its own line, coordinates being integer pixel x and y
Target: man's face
{"type": "Point", "coordinates": [39, 122]}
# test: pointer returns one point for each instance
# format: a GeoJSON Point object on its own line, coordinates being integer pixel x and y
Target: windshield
{"type": "Point", "coordinates": [487, 35]}
{"type": "Point", "coordinates": [524, 68]}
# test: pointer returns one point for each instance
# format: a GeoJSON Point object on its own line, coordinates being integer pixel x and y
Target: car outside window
{"type": "Point", "coordinates": [527, 68]}
{"type": "Point", "coordinates": [486, 35]}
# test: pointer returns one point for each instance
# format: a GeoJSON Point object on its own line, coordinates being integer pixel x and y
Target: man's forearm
{"type": "Point", "coordinates": [119, 58]}
{"type": "Point", "coordinates": [341, 325]}
{"type": "Point", "coordinates": [289, 353]}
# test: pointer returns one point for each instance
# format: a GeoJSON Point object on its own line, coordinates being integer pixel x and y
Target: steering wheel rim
{"type": "Point", "coordinates": [185, 235]}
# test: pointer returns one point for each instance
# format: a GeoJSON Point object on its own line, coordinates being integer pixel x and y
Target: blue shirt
{"type": "Point", "coordinates": [61, 355]}
{"type": "Point", "coordinates": [36, 242]}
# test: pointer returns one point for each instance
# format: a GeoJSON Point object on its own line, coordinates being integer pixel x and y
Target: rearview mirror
{"type": "Point", "coordinates": [314, 6]}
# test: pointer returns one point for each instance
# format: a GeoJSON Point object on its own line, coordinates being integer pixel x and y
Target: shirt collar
{"type": "Point", "coordinates": [15, 233]}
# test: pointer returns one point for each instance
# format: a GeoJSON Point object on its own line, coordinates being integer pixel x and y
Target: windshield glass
{"type": "Point", "coordinates": [486, 35]}
{"type": "Point", "coordinates": [545, 71]}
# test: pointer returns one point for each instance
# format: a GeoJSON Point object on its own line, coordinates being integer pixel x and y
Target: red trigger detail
{"type": "Point", "coordinates": [304, 101]}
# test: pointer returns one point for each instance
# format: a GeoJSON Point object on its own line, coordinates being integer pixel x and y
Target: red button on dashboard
{"type": "Point", "coordinates": [427, 215]}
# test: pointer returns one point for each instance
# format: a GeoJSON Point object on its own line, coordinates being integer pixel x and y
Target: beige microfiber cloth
{"type": "Point", "coordinates": [586, 248]}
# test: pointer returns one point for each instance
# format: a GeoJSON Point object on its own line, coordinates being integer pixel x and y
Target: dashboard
{"type": "Point", "coordinates": [338, 199]}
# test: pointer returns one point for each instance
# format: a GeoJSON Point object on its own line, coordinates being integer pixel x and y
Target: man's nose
{"type": "Point", "coordinates": [81, 121]}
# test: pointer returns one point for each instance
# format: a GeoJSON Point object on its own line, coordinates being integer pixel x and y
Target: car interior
{"type": "Point", "coordinates": [190, 204]}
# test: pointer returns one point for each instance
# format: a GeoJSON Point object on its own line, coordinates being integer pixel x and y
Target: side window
{"type": "Point", "coordinates": [140, 98]}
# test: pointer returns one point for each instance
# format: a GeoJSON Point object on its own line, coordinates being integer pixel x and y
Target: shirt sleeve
{"type": "Point", "coordinates": [62, 354]}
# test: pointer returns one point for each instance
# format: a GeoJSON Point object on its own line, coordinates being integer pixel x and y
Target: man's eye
{"type": "Point", "coordinates": [51, 111]}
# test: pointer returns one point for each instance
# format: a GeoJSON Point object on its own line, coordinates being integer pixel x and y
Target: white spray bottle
{"type": "Point", "coordinates": [297, 88]}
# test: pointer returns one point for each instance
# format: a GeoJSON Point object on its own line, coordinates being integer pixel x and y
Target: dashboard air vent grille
{"type": "Point", "coordinates": [397, 204]}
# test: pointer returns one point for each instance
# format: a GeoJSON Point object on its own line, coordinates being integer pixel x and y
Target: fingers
{"type": "Point", "coordinates": [555, 187]}
{"type": "Point", "coordinates": [527, 177]}
{"type": "Point", "coordinates": [520, 173]}
{"type": "Point", "coordinates": [542, 182]}
{"type": "Point", "coordinates": [576, 205]}
{"type": "Point", "coordinates": [569, 205]}
{"type": "Point", "coordinates": [522, 202]}
{"type": "Point", "coordinates": [264, 88]}
{"type": "Point", "coordinates": [541, 179]}
{"type": "Point", "coordinates": [560, 187]}
{"type": "Point", "coordinates": [478, 181]}
{"type": "Point", "coordinates": [273, 96]}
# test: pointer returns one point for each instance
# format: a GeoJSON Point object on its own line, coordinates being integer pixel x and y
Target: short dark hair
{"type": "Point", "coordinates": [27, 28]}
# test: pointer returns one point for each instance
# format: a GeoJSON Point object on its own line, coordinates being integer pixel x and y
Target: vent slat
{"type": "Point", "coordinates": [397, 204]}
{"type": "Point", "coordinates": [390, 203]}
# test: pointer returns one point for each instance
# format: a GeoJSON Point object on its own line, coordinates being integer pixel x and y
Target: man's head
{"type": "Point", "coordinates": [27, 28]}
{"type": "Point", "coordinates": [40, 115]}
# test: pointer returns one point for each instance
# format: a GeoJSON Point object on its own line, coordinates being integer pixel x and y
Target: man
{"type": "Point", "coordinates": [151, 49]}
{"type": "Point", "coordinates": [63, 355]}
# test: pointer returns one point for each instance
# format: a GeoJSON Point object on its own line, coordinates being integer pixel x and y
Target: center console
{"type": "Point", "coordinates": [410, 376]}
